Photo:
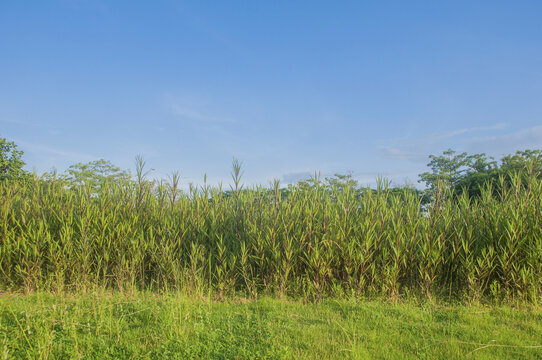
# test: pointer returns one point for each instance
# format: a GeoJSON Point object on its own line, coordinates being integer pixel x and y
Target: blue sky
{"type": "Point", "coordinates": [288, 87]}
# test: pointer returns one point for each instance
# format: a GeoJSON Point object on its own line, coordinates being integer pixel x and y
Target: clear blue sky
{"type": "Point", "coordinates": [288, 87]}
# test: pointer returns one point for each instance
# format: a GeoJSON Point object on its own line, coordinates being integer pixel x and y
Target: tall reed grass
{"type": "Point", "coordinates": [315, 241]}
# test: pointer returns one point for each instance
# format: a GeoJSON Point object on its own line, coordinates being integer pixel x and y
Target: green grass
{"type": "Point", "coordinates": [174, 326]}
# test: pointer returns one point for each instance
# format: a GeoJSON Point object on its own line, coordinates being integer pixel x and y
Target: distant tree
{"type": "Point", "coordinates": [529, 161]}
{"type": "Point", "coordinates": [95, 173]}
{"type": "Point", "coordinates": [472, 173]}
{"type": "Point", "coordinates": [11, 164]}
{"type": "Point", "coordinates": [341, 182]}
{"type": "Point", "coordinates": [450, 169]}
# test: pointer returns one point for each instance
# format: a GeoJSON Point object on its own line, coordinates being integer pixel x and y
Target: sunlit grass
{"type": "Point", "coordinates": [173, 326]}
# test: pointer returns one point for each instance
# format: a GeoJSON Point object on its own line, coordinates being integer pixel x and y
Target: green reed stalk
{"type": "Point", "coordinates": [313, 240]}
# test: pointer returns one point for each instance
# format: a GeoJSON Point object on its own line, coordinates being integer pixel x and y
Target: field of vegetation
{"type": "Point", "coordinates": [151, 326]}
{"type": "Point", "coordinates": [316, 239]}
{"type": "Point", "coordinates": [473, 237]}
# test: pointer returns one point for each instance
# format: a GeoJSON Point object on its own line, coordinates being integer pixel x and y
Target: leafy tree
{"type": "Point", "coordinates": [11, 165]}
{"type": "Point", "coordinates": [450, 169]}
{"type": "Point", "coordinates": [95, 173]}
{"type": "Point", "coordinates": [529, 161]}
{"type": "Point", "coordinates": [341, 182]}
{"type": "Point", "coordinates": [472, 173]}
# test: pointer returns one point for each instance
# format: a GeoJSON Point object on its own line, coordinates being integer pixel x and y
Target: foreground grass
{"type": "Point", "coordinates": [150, 326]}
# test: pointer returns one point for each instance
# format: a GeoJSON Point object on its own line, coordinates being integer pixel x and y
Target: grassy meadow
{"type": "Point", "coordinates": [173, 326]}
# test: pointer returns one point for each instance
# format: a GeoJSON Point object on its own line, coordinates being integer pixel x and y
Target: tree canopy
{"type": "Point", "coordinates": [471, 173]}
{"type": "Point", "coordinates": [11, 164]}
{"type": "Point", "coordinates": [94, 173]}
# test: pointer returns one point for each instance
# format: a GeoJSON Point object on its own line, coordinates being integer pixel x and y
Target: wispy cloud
{"type": "Point", "coordinates": [433, 137]}
{"type": "Point", "coordinates": [35, 125]}
{"type": "Point", "coordinates": [417, 148]}
{"type": "Point", "coordinates": [457, 132]}
{"type": "Point", "coordinates": [196, 110]}
{"type": "Point", "coordinates": [193, 114]}
{"type": "Point", "coordinates": [530, 138]}
{"type": "Point", "coordinates": [15, 121]}
{"type": "Point", "coordinates": [64, 154]}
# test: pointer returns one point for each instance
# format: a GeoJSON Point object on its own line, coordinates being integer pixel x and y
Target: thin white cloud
{"type": "Point", "coordinates": [491, 127]}
{"type": "Point", "coordinates": [418, 148]}
{"type": "Point", "coordinates": [453, 133]}
{"type": "Point", "coordinates": [15, 121]}
{"type": "Point", "coordinates": [24, 123]}
{"type": "Point", "coordinates": [195, 110]}
{"type": "Point", "coordinates": [64, 154]}
{"type": "Point", "coordinates": [490, 144]}
{"type": "Point", "coordinates": [429, 138]}
{"type": "Point", "coordinates": [192, 114]}
{"type": "Point", "coordinates": [530, 138]}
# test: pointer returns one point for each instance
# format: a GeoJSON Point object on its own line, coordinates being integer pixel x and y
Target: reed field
{"type": "Point", "coordinates": [316, 240]}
